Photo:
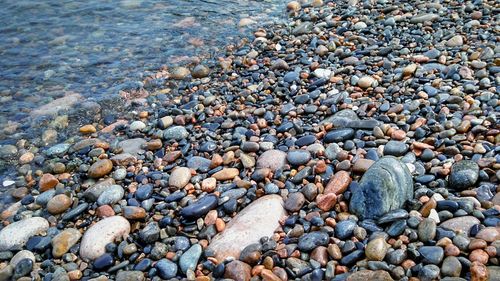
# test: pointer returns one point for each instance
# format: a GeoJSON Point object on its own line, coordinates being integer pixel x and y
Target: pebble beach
{"type": "Point", "coordinates": [358, 140]}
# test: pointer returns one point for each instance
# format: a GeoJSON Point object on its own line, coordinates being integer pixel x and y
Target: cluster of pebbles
{"type": "Point", "coordinates": [359, 141]}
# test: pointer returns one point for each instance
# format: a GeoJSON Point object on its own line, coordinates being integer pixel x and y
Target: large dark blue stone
{"type": "Point", "coordinates": [103, 261]}
{"type": "Point", "coordinates": [339, 135]}
{"type": "Point", "coordinates": [200, 207]}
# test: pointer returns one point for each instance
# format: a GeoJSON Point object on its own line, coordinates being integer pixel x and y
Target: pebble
{"type": "Point", "coordinates": [62, 242]}
{"type": "Point", "coordinates": [179, 73]}
{"type": "Point", "coordinates": [259, 219]}
{"type": "Point", "coordinates": [59, 204]}
{"type": "Point", "coordinates": [427, 230]}
{"type": "Point", "coordinates": [100, 234]}
{"type": "Point", "coordinates": [21, 255]}
{"type": "Point", "coordinates": [298, 157]}
{"type": "Point", "coordinates": [238, 271]}
{"type": "Point", "coordinates": [294, 202]}
{"type": "Point", "coordinates": [130, 276]}
{"type": "Point", "coordinates": [431, 254]}
{"type": "Point", "coordinates": [366, 82]}
{"type": "Point", "coordinates": [272, 159]}
{"type": "Point", "coordinates": [464, 174]}
{"type": "Point", "coordinates": [226, 174]}
{"type": "Point", "coordinates": [166, 268]}
{"type": "Point", "coordinates": [23, 268]}
{"type": "Point", "coordinates": [455, 41]}
{"type": "Point", "coordinates": [463, 224]}
{"type": "Point", "coordinates": [47, 181]}
{"type": "Point", "coordinates": [100, 168]}
{"type": "Point", "coordinates": [200, 71]}
{"type": "Point", "coordinates": [175, 133]}
{"type": "Point", "coordinates": [376, 249]}
{"type": "Point", "coordinates": [189, 259]}
{"type": "Point", "coordinates": [312, 240]}
{"type": "Point", "coordinates": [200, 207]}
{"type": "Point", "coordinates": [311, 150]}
{"type": "Point", "coordinates": [180, 177]}
{"type": "Point", "coordinates": [15, 235]}
{"type": "Point", "coordinates": [111, 195]}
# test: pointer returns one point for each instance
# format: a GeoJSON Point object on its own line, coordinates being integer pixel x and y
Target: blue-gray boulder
{"type": "Point", "coordinates": [384, 187]}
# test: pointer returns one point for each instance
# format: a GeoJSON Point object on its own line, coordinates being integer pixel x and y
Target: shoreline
{"type": "Point", "coordinates": [357, 141]}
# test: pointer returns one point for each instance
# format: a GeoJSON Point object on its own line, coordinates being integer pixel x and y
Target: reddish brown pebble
{"type": "Point", "coordinates": [216, 161]}
{"type": "Point", "coordinates": [398, 135]}
{"type": "Point", "coordinates": [320, 254]}
{"type": "Point", "coordinates": [479, 256]}
{"type": "Point", "coordinates": [226, 174]}
{"type": "Point", "coordinates": [238, 271]}
{"type": "Point", "coordinates": [326, 201]}
{"type": "Point", "coordinates": [134, 212]}
{"type": "Point", "coordinates": [479, 272]}
{"type": "Point", "coordinates": [451, 250]}
{"type": "Point", "coordinates": [338, 183]}
{"type": "Point", "coordinates": [477, 244]}
{"type": "Point", "coordinates": [105, 211]}
{"type": "Point", "coordinates": [268, 275]}
{"type": "Point", "coordinates": [47, 181]}
{"type": "Point", "coordinates": [427, 207]}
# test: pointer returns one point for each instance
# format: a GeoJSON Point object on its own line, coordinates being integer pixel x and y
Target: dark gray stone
{"type": "Point", "coordinates": [395, 148]}
{"type": "Point", "coordinates": [463, 175]}
{"type": "Point", "coordinates": [384, 187]}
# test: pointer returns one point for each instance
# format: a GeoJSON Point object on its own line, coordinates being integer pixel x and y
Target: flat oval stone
{"type": "Point", "coordinates": [272, 159]}
{"type": "Point", "coordinates": [463, 224]}
{"type": "Point", "coordinates": [339, 135]}
{"type": "Point", "coordinates": [305, 140]}
{"type": "Point", "coordinates": [58, 204]}
{"type": "Point", "coordinates": [431, 254]}
{"type": "Point", "coordinates": [298, 157]}
{"type": "Point", "coordinates": [344, 229]}
{"type": "Point", "coordinates": [111, 195]}
{"type": "Point", "coordinates": [103, 261]}
{"type": "Point", "coordinates": [100, 168]}
{"type": "Point", "coordinates": [93, 192]}
{"type": "Point", "coordinates": [200, 207]}
{"type": "Point", "coordinates": [259, 219]}
{"type": "Point", "coordinates": [395, 148]}
{"type": "Point", "coordinates": [63, 241]}
{"type": "Point", "coordinates": [376, 249]}
{"type": "Point", "coordinates": [15, 235]}
{"type": "Point", "coordinates": [175, 133]}
{"type": "Point", "coordinates": [179, 177]}
{"type": "Point", "coordinates": [102, 233]}
{"type": "Point", "coordinates": [312, 240]}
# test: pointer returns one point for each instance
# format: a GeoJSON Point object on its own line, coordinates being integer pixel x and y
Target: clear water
{"type": "Point", "coordinates": [49, 48]}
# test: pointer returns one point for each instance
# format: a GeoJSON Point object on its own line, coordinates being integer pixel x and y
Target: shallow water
{"type": "Point", "coordinates": [96, 47]}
